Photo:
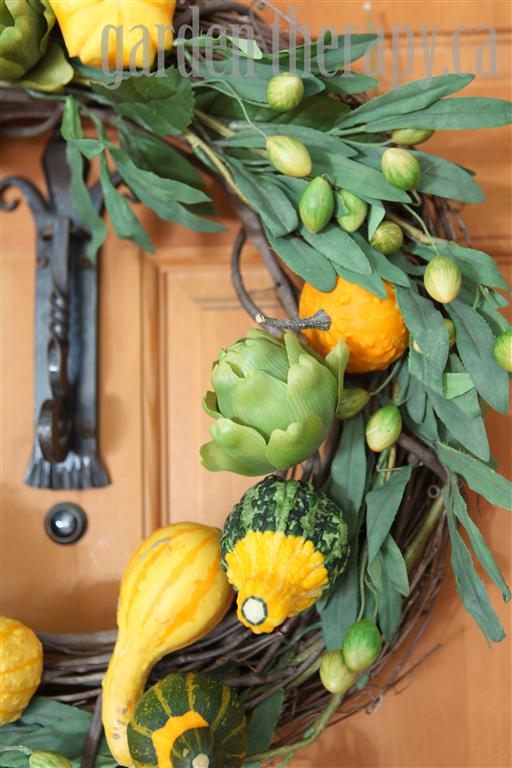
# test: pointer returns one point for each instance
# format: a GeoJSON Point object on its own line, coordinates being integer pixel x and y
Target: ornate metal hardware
{"type": "Point", "coordinates": [65, 453]}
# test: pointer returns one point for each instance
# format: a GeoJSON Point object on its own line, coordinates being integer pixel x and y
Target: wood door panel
{"type": "Point", "coordinates": [201, 313]}
{"type": "Point", "coordinates": [50, 586]}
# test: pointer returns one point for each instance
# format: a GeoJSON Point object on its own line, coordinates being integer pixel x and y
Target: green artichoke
{"type": "Point", "coordinates": [274, 404]}
{"type": "Point", "coordinates": [28, 57]}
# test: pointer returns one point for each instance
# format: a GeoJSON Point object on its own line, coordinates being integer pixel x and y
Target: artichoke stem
{"type": "Point", "coordinates": [319, 321]}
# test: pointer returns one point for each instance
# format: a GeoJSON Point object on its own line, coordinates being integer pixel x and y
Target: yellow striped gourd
{"type": "Point", "coordinates": [173, 592]}
{"type": "Point", "coordinates": [21, 667]}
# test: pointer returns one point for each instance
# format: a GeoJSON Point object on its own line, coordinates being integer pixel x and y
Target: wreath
{"type": "Point", "coordinates": [362, 410]}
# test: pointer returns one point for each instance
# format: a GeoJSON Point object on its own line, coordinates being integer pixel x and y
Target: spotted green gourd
{"type": "Point", "coordinates": [283, 545]}
{"type": "Point", "coordinates": [188, 721]}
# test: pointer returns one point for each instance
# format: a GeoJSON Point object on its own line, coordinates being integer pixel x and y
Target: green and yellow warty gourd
{"type": "Point", "coordinates": [173, 592]}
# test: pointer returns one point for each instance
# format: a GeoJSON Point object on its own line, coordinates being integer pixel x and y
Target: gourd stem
{"type": "Point", "coordinates": [319, 321]}
{"type": "Point", "coordinates": [422, 536]}
{"type": "Point", "coordinates": [414, 233]}
{"type": "Point", "coordinates": [214, 124]}
{"type": "Point", "coordinates": [16, 748]}
{"type": "Point", "coordinates": [197, 143]}
{"type": "Point", "coordinates": [309, 651]}
{"type": "Point", "coordinates": [318, 727]}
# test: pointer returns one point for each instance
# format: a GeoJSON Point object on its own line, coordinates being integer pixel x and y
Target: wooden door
{"type": "Point", "coordinates": [162, 321]}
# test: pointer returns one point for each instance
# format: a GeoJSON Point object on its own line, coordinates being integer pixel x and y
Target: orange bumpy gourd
{"type": "Point", "coordinates": [21, 667]}
{"type": "Point", "coordinates": [372, 328]}
{"type": "Point", "coordinates": [144, 26]}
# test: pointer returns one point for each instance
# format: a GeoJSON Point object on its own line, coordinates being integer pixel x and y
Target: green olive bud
{"type": "Point", "coordinates": [452, 337]}
{"type": "Point", "coordinates": [285, 92]}
{"type": "Point", "coordinates": [410, 136]}
{"type": "Point", "coordinates": [334, 673]}
{"type": "Point", "coordinates": [41, 759]}
{"type": "Point", "coordinates": [357, 210]}
{"type": "Point", "coordinates": [383, 428]}
{"type": "Point", "coordinates": [289, 156]}
{"type": "Point", "coordinates": [387, 238]}
{"type": "Point", "coordinates": [361, 645]}
{"type": "Point", "coordinates": [316, 205]}
{"type": "Point", "coordinates": [442, 279]}
{"type": "Point", "coordinates": [400, 168]}
{"type": "Point", "coordinates": [352, 402]}
{"type": "Point", "coordinates": [503, 350]}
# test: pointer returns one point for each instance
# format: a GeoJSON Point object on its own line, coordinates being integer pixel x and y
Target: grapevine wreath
{"type": "Point", "coordinates": [362, 412]}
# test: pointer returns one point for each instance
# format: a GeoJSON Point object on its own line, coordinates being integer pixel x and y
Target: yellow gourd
{"type": "Point", "coordinates": [142, 27]}
{"type": "Point", "coordinates": [21, 667]}
{"type": "Point", "coordinates": [173, 592]}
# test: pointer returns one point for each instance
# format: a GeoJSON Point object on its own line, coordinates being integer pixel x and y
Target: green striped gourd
{"type": "Point", "coordinates": [188, 721]}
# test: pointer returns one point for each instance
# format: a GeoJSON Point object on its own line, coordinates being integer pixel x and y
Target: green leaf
{"type": "Point", "coordinates": [422, 370]}
{"type": "Point", "coordinates": [470, 586]}
{"type": "Point", "coordinates": [405, 99]}
{"type": "Point", "coordinates": [416, 401]}
{"type": "Point", "coordinates": [161, 102]}
{"type": "Point", "coordinates": [477, 266]}
{"type": "Point", "coordinates": [336, 360]}
{"type": "Point", "coordinates": [452, 114]}
{"type": "Point", "coordinates": [164, 196]}
{"type": "Point", "coordinates": [469, 430]}
{"type": "Point", "coordinates": [380, 264]}
{"type": "Point", "coordinates": [445, 179]}
{"type": "Point", "coordinates": [328, 52]}
{"type": "Point", "coordinates": [339, 609]}
{"type": "Point", "coordinates": [371, 283]}
{"type": "Point", "coordinates": [305, 261]}
{"type": "Point", "coordinates": [396, 568]}
{"type": "Point", "coordinates": [360, 179]}
{"type": "Point", "coordinates": [278, 214]}
{"type": "Point", "coordinates": [319, 143]}
{"type": "Point", "coordinates": [388, 598]}
{"type": "Point", "coordinates": [350, 83]}
{"type": "Point", "coordinates": [456, 384]}
{"type": "Point", "coordinates": [375, 217]}
{"type": "Point", "coordinates": [313, 111]}
{"type": "Point", "coordinates": [153, 154]}
{"type": "Point", "coordinates": [475, 343]}
{"type": "Point", "coordinates": [263, 723]}
{"type": "Point", "coordinates": [247, 78]}
{"type": "Point", "coordinates": [51, 726]}
{"type": "Point", "coordinates": [124, 221]}
{"type": "Point", "coordinates": [339, 247]}
{"type": "Point", "coordinates": [426, 326]}
{"type": "Point", "coordinates": [479, 477]}
{"type": "Point", "coordinates": [438, 176]}
{"type": "Point", "coordinates": [166, 190]}
{"type": "Point", "coordinates": [382, 505]}
{"type": "Point", "coordinates": [349, 462]}
{"type": "Point", "coordinates": [82, 202]}
{"type": "Point", "coordinates": [480, 548]}
{"type": "Point", "coordinates": [277, 202]}
{"type": "Point", "coordinates": [71, 125]}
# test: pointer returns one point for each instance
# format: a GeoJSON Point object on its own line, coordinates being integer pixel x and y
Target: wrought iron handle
{"type": "Point", "coordinates": [65, 453]}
